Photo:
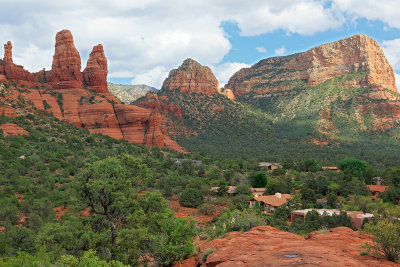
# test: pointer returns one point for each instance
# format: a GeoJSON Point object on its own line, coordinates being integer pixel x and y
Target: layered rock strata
{"type": "Point", "coordinates": [355, 54]}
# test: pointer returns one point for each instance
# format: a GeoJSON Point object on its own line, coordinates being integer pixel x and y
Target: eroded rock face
{"type": "Point", "coordinates": [191, 77]}
{"type": "Point", "coordinates": [267, 246]}
{"type": "Point", "coordinates": [95, 73]}
{"type": "Point", "coordinates": [66, 68]}
{"type": "Point", "coordinates": [355, 54]}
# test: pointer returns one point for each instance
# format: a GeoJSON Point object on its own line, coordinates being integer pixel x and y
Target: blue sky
{"type": "Point", "coordinates": [145, 39]}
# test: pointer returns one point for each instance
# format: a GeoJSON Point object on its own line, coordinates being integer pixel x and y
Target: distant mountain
{"type": "Point", "coordinates": [335, 100]}
{"type": "Point", "coordinates": [129, 93]}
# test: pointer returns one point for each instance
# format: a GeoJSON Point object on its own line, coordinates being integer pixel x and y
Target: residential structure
{"type": "Point", "coordinates": [270, 166]}
{"type": "Point", "coordinates": [334, 169]}
{"type": "Point", "coordinates": [179, 162]}
{"type": "Point", "coordinates": [271, 202]}
{"type": "Point", "coordinates": [357, 217]}
{"type": "Point", "coordinates": [376, 189]}
{"type": "Point", "coordinates": [257, 191]}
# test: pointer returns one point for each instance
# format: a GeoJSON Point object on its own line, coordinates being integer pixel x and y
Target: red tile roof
{"type": "Point", "coordinates": [273, 200]}
{"type": "Point", "coordinates": [377, 188]}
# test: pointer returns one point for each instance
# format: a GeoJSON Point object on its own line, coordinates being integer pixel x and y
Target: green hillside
{"type": "Point", "coordinates": [129, 93]}
{"type": "Point", "coordinates": [328, 122]}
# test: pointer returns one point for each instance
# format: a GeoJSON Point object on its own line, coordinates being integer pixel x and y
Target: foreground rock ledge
{"type": "Point", "coordinates": [267, 246]}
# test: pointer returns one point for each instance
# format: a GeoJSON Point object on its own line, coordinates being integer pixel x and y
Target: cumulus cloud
{"type": "Point", "coordinates": [386, 11]}
{"type": "Point", "coordinates": [261, 49]}
{"type": "Point", "coordinates": [397, 77]}
{"type": "Point", "coordinates": [224, 71]}
{"type": "Point", "coordinates": [391, 48]}
{"type": "Point", "coordinates": [280, 50]}
{"type": "Point", "coordinates": [143, 39]}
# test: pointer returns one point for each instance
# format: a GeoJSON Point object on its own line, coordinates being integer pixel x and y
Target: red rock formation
{"type": "Point", "coordinates": [191, 77]}
{"type": "Point", "coordinates": [228, 93]}
{"type": "Point", "coordinates": [102, 113]}
{"type": "Point", "coordinates": [66, 68]}
{"type": "Point", "coordinates": [267, 246]}
{"type": "Point", "coordinates": [13, 71]}
{"type": "Point", "coordinates": [95, 73]}
{"type": "Point", "coordinates": [8, 52]}
{"type": "Point", "coordinates": [358, 53]}
{"type": "Point", "coordinates": [160, 105]}
{"type": "Point", "coordinates": [12, 129]}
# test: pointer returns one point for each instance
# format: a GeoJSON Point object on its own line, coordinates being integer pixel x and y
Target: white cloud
{"type": "Point", "coordinates": [224, 71]}
{"type": "Point", "coordinates": [153, 77]}
{"type": "Point", "coordinates": [391, 48]}
{"type": "Point", "coordinates": [386, 11]}
{"type": "Point", "coordinates": [261, 49]}
{"type": "Point", "coordinates": [146, 38]}
{"type": "Point", "coordinates": [397, 78]}
{"type": "Point", "coordinates": [280, 50]}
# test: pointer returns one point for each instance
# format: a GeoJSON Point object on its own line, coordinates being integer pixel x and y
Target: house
{"type": "Point", "coordinates": [376, 189]}
{"type": "Point", "coordinates": [357, 217]}
{"type": "Point", "coordinates": [271, 202]}
{"type": "Point", "coordinates": [334, 169]}
{"type": "Point", "coordinates": [270, 166]}
{"type": "Point", "coordinates": [257, 191]}
{"type": "Point", "coordinates": [179, 162]}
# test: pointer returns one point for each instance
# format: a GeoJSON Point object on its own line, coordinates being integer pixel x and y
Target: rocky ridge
{"type": "Point", "coordinates": [66, 98]}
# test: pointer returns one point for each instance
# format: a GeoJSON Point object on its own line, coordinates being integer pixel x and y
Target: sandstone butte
{"type": "Point", "coordinates": [191, 77]}
{"type": "Point", "coordinates": [357, 53]}
{"type": "Point", "coordinates": [267, 246]}
{"type": "Point", "coordinates": [92, 108]}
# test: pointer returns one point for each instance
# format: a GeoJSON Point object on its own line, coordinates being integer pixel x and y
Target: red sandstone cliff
{"type": "Point", "coordinates": [191, 77]}
{"type": "Point", "coordinates": [358, 53]}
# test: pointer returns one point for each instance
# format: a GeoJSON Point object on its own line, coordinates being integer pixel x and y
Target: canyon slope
{"type": "Point", "coordinates": [333, 100]}
{"type": "Point", "coordinates": [79, 98]}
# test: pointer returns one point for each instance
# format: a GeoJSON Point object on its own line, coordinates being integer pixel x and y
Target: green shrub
{"type": "Point", "coordinates": [191, 197]}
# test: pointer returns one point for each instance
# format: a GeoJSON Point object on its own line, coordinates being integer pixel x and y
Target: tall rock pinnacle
{"type": "Point", "coordinates": [95, 73]}
{"type": "Point", "coordinates": [66, 68]}
{"type": "Point", "coordinates": [8, 52]}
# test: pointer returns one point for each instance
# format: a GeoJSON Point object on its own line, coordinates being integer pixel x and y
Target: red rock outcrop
{"type": "Point", "coordinates": [8, 52]}
{"type": "Point", "coordinates": [229, 94]}
{"type": "Point", "coordinates": [12, 129]}
{"type": "Point", "coordinates": [66, 68]}
{"type": "Point", "coordinates": [95, 73]}
{"type": "Point", "coordinates": [191, 77]}
{"type": "Point", "coordinates": [358, 53]}
{"type": "Point", "coordinates": [12, 71]}
{"type": "Point", "coordinates": [267, 246]}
